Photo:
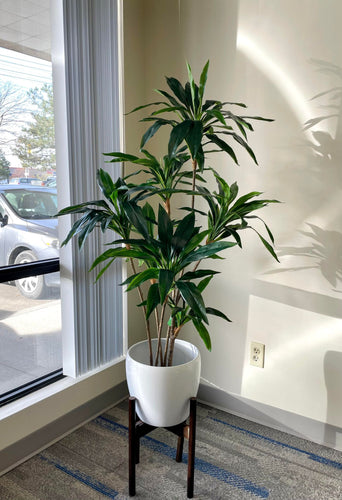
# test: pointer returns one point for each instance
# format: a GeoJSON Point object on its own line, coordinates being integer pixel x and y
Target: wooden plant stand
{"type": "Point", "coordinates": [138, 429]}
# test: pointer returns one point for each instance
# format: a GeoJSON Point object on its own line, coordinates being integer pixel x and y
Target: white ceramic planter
{"type": "Point", "coordinates": [163, 393]}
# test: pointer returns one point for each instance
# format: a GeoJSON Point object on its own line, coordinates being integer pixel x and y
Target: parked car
{"type": "Point", "coordinates": [28, 232]}
{"type": "Point", "coordinates": [26, 180]}
{"type": "Point", "coordinates": [51, 183]}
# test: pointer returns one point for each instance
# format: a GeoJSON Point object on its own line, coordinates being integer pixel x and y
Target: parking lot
{"type": "Point", "coordinates": [30, 337]}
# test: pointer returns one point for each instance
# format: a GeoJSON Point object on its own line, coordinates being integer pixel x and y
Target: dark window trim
{"type": "Point", "coordinates": [25, 389]}
{"type": "Point", "coordinates": [18, 271]}
{"type": "Point", "coordinates": [12, 273]}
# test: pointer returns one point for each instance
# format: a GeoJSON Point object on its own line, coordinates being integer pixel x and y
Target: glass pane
{"type": "Point", "coordinates": [30, 337]}
{"type": "Point", "coordinates": [30, 319]}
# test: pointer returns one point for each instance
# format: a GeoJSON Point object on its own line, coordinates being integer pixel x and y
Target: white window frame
{"type": "Point", "coordinates": [88, 111]}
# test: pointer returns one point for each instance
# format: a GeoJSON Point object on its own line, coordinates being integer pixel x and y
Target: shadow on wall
{"type": "Point", "coordinates": [324, 145]}
{"type": "Point", "coordinates": [309, 301]}
{"type": "Point", "coordinates": [323, 250]}
{"type": "Point", "coordinates": [333, 383]}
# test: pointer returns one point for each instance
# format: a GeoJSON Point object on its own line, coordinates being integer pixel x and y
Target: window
{"type": "Point", "coordinates": [30, 316]}
{"type": "Point", "coordinates": [85, 58]}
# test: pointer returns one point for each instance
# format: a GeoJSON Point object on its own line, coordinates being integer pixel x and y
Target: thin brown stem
{"type": "Point", "coordinates": [172, 345]}
{"type": "Point", "coordinates": [194, 168]}
{"type": "Point", "coordinates": [160, 327]}
{"type": "Point", "coordinates": [156, 317]}
{"type": "Point", "coordinates": [147, 322]}
{"type": "Point", "coordinates": [167, 206]}
{"type": "Point", "coordinates": [170, 332]}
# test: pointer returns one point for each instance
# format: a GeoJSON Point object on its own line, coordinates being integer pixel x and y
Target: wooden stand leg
{"type": "Point", "coordinates": [179, 454]}
{"type": "Point", "coordinates": [132, 440]}
{"type": "Point", "coordinates": [191, 454]}
{"type": "Point", "coordinates": [138, 429]}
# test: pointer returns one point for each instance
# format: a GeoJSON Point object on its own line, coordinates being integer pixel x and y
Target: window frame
{"type": "Point", "coordinates": [88, 116]}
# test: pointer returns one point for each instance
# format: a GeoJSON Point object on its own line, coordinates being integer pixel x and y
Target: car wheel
{"type": "Point", "coordinates": [32, 287]}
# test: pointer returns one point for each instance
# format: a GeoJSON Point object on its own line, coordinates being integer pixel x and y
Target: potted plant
{"type": "Point", "coordinates": [169, 253]}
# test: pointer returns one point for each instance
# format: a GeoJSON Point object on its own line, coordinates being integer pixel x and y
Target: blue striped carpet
{"type": "Point", "coordinates": [235, 459]}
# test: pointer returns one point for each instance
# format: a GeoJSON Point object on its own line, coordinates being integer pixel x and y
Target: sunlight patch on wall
{"type": "Point", "coordinates": [273, 71]}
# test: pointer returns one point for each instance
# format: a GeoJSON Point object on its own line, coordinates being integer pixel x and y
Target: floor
{"type": "Point", "coordinates": [31, 342]}
{"type": "Point", "coordinates": [235, 459]}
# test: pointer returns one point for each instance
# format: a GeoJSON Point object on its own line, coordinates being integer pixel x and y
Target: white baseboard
{"type": "Point", "coordinates": [29, 446]}
{"type": "Point", "coordinates": [276, 418]}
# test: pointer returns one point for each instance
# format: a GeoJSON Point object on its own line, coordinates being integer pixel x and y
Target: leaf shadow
{"type": "Point", "coordinates": [324, 249]}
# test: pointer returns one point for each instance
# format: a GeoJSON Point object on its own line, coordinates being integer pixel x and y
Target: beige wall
{"type": "Point", "coordinates": [274, 55]}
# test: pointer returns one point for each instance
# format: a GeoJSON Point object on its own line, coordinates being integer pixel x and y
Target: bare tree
{"type": "Point", "coordinates": [13, 111]}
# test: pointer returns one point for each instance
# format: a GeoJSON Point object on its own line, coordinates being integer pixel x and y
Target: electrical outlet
{"type": "Point", "coordinates": [257, 354]}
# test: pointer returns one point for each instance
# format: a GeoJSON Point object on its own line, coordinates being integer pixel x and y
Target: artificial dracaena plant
{"type": "Point", "coordinates": [173, 250]}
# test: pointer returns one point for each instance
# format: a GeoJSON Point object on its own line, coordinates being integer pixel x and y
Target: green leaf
{"type": "Point", "coordinates": [242, 200]}
{"type": "Point", "coordinates": [194, 242]}
{"type": "Point", "coordinates": [192, 296]}
{"type": "Point", "coordinates": [202, 285]}
{"type": "Point", "coordinates": [257, 118]}
{"type": "Point", "coordinates": [121, 156]}
{"type": "Point", "coordinates": [164, 227]}
{"type": "Point", "coordinates": [216, 312]}
{"type": "Point", "coordinates": [177, 136]}
{"type": "Point", "coordinates": [172, 100]}
{"type": "Point", "coordinates": [215, 113]}
{"type": "Point", "coordinates": [234, 190]}
{"type": "Point", "coordinates": [204, 334]}
{"type": "Point", "coordinates": [82, 207]}
{"type": "Point", "coordinates": [150, 132]}
{"type": "Point", "coordinates": [269, 232]}
{"type": "Point", "coordinates": [207, 251]}
{"type": "Point", "coordinates": [224, 188]}
{"type": "Point", "coordinates": [202, 83]}
{"type": "Point", "coordinates": [209, 103]}
{"type": "Point", "coordinates": [117, 252]}
{"type": "Point", "coordinates": [222, 145]}
{"type": "Point", "coordinates": [176, 88]}
{"type": "Point", "coordinates": [194, 138]}
{"type": "Point", "coordinates": [103, 270]}
{"type": "Point", "coordinates": [144, 106]}
{"type": "Point", "coordinates": [149, 215]}
{"type": "Point", "coordinates": [169, 109]}
{"type": "Point", "coordinates": [88, 228]}
{"type": "Point", "coordinates": [165, 283]}
{"type": "Point", "coordinates": [200, 159]}
{"type": "Point", "coordinates": [136, 216]}
{"type": "Point", "coordinates": [183, 232]}
{"type": "Point", "coordinates": [139, 278]}
{"type": "Point", "coordinates": [105, 182]}
{"type": "Point", "coordinates": [153, 299]}
{"type": "Point", "coordinates": [189, 98]}
{"type": "Point", "coordinates": [200, 273]}
{"type": "Point", "coordinates": [192, 87]}
{"type": "Point", "coordinates": [243, 143]}
{"type": "Point", "coordinates": [267, 246]}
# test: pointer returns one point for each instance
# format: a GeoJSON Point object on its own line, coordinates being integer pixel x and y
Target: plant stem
{"type": "Point", "coordinates": [160, 327]}
{"type": "Point", "coordinates": [167, 206]}
{"type": "Point", "coordinates": [172, 345]}
{"type": "Point", "coordinates": [147, 322]}
{"type": "Point", "coordinates": [156, 317]}
{"type": "Point", "coordinates": [194, 168]}
{"type": "Point", "coordinates": [170, 332]}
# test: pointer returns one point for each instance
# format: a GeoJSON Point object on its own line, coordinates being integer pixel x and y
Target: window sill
{"type": "Point", "coordinates": [34, 411]}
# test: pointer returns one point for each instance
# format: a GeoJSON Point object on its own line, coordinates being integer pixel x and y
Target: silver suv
{"type": "Point", "coordinates": [28, 232]}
